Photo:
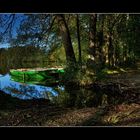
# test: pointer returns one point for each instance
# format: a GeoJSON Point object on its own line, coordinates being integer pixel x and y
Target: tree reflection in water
{"type": "Point", "coordinates": [25, 91]}
{"type": "Point", "coordinates": [59, 95]}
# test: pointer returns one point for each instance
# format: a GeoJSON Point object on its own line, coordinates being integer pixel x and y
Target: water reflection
{"type": "Point", "coordinates": [26, 91]}
{"type": "Point", "coordinates": [59, 95]}
{"type": "Point", "coordinates": [79, 97]}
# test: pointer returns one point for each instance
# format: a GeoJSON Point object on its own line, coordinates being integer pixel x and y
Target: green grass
{"type": "Point", "coordinates": [113, 71]}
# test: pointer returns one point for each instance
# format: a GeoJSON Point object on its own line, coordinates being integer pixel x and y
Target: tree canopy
{"type": "Point", "coordinates": [96, 40]}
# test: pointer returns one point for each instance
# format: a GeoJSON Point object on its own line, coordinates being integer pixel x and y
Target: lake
{"type": "Point", "coordinates": [58, 94]}
{"type": "Point", "coordinates": [26, 91]}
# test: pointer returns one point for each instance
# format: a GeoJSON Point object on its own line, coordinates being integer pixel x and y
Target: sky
{"type": "Point", "coordinates": [38, 91]}
{"type": "Point", "coordinates": [4, 45]}
{"type": "Point", "coordinates": [19, 18]}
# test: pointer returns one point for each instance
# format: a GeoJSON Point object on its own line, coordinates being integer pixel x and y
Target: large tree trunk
{"type": "Point", "coordinates": [95, 44]}
{"type": "Point", "coordinates": [78, 37]}
{"type": "Point", "coordinates": [92, 35]}
{"type": "Point", "coordinates": [110, 50]}
{"type": "Point", "coordinates": [111, 24]}
{"type": "Point", "coordinates": [70, 56]}
{"type": "Point", "coordinates": [91, 63]}
{"type": "Point", "coordinates": [101, 42]}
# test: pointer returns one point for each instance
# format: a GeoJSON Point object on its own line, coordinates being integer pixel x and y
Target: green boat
{"type": "Point", "coordinates": [37, 75]}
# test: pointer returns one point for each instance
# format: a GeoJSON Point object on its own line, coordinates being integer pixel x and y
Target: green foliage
{"type": "Point", "coordinates": [79, 98]}
{"type": "Point", "coordinates": [107, 71]}
{"type": "Point", "coordinates": [116, 43]}
{"type": "Point", "coordinates": [77, 75]}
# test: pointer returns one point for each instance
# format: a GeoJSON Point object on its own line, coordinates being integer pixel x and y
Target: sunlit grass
{"type": "Point", "coordinates": [113, 71]}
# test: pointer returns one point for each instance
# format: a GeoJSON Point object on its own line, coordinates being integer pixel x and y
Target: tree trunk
{"type": "Point", "coordinates": [96, 43]}
{"type": "Point", "coordinates": [64, 30]}
{"type": "Point", "coordinates": [101, 42]}
{"type": "Point", "coordinates": [92, 35]}
{"type": "Point", "coordinates": [110, 49]}
{"type": "Point", "coordinates": [78, 37]}
{"type": "Point", "coordinates": [91, 63]}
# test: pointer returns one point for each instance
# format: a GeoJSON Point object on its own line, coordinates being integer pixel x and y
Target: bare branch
{"type": "Point", "coordinates": [6, 26]}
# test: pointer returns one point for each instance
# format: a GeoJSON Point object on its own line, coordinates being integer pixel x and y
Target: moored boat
{"type": "Point", "coordinates": [36, 75]}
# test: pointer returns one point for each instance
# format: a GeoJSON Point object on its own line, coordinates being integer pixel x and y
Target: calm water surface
{"type": "Point", "coordinates": [69, 96]}
{"type": "Point", "coordinates": [26, 91]}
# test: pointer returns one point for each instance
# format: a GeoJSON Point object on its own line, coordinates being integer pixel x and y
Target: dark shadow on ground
{"type": "Point", "coordinates": [96, 119]}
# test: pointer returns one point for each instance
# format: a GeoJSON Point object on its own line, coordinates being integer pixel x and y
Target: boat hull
{"type": "Point", "coordinates": [35, 77]}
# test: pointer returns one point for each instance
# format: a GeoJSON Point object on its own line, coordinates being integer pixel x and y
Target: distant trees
{"type": "Point", "coordinates": [16, 56]}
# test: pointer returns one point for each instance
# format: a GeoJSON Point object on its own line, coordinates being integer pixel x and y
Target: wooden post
{"type": "Point", "coordinates": [24, 77]}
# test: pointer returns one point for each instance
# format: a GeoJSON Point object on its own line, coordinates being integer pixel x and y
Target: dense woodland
{"type": "Point", "coordinates": [94, 40]}
{"type": "Point", "coordinates": [89, 46]}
